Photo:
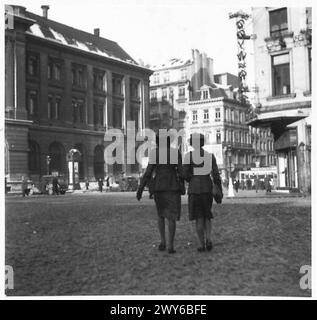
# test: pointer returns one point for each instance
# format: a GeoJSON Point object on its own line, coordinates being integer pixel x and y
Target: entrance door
{"type": "Point", "coordinates": [282, 169]}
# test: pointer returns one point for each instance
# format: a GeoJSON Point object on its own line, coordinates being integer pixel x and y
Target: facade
{"type": "Point", "coordinates": [215, 112]}
{"type": "Point", "coordinates": [63, 88]}
{"type": "Point", "coordinates": [282, 52]}
{"type": "Point", "coordinates": [186, 94]}
{"type": "Point", "coordinates": [171, 87]}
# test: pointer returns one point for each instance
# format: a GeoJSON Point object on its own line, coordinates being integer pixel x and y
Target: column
{"type": "Point", "coordinates": [90, 97]}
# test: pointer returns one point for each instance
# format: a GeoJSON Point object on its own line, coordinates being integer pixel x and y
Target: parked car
{"type": "Point", "coordinates": [46, 184]}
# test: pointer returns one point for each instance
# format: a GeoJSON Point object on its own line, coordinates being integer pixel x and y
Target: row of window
{"type": "Point", "coordinates": [165, 76]}
{"type": "Point", "coordinates": [79, 75]}
{"type": "Point", "coordinates": [168, 92]}
{"type": "Point", "coordinates": [79, 110]}
{"type": "Point", "coordinates": [234, 116]}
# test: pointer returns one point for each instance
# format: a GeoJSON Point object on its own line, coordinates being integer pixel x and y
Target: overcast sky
{"type": "Point", "coordinates": [155, 31]}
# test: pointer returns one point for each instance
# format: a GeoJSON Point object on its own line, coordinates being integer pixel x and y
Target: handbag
{"type": "Point", "coordinates": [217, 193]}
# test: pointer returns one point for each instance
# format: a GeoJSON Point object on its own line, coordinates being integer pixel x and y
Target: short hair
{"type": "Point", "coordinates": [196, 136]}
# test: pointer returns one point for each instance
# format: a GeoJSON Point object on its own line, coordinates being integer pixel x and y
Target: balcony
{"type": "Point", "coordinates": [279, 41]}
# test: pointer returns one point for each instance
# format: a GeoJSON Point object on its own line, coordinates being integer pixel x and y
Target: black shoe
{"type": "Point", "coordinates": [201, 249]}
{"type": "Point", "coordinates": [162, 247]}
{"type": "Point", "coordinates": [208, 245]}
{"type": "Point", "coordinates": [171, 251]}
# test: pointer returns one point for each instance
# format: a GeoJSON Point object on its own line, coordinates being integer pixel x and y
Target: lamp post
{"type": "Point", "coordinates": [230, 186]}
{"type": "Point", "coordinates": [48, 161]}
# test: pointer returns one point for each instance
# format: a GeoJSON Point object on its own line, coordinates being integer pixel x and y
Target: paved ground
{"type": "Point", "coordinates": [106, 244]}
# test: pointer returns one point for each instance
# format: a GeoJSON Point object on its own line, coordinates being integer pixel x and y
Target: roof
{"type": "Point", "coordinates": [172, 63]}
{"type": "Point", "coordinates": [214, 93]}
{"type": "Point", "coordinates": [75, 38]}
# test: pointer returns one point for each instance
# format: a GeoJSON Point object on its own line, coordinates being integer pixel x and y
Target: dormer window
{"type": "Point", "coordinates": [205, 94]}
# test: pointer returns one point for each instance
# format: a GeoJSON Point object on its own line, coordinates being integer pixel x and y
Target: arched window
{"type": "Point", "coordinates": [99, 161]}
{"type": "Point", "coordinates": [58, 158]}
{"type": "Point", "coordinates": [34, 157]}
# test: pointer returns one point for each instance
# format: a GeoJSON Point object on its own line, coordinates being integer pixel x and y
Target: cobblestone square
{"type": "Point", "coordinates": [106, 244]}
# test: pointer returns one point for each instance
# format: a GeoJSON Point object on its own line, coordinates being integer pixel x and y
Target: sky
{"type": "Point", "coordinates": [155, 31]}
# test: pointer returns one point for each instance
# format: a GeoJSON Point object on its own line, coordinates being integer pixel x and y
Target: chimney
{"type": "Point", "coordinates": [97, 32]}
{"type": "Point", "coordinates": [45, 10]}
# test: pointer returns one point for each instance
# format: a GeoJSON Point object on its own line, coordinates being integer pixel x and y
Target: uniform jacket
{"type": "Point", "coordinates": [201, 183]}
{"type": "Point", "coordinates": [166, 176]}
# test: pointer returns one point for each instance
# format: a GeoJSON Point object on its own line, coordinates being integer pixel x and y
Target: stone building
{"type": "Point", "coordinates": [63, 89]}
{"type": "Point", "coordinates": [282, 53]}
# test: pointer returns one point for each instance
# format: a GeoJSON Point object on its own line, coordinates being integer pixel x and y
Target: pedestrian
{"type": "Point", "coordinates": [87, 184]}
{"type": "Point", "coordinates": [200, 189]}
{"type": "Point", "coordinates": [242, 185]}
{"type": "Point", "coordinates": [249, 184]}
{"type": "Point", "coordinates": [236, 185]}
{"type": "Point", "coordinates": [24, 186]}
{"type": "Point", "coordinates": [256, 184]}
{"type": "Point", "coordinates": [267, 184]}
{"type": "Point", "coordinates": [100, 184]}
{"type": "Point", "coordinates": [55, 186]}
{"type": "Point", "coordinates": [166, 184]}
{"type": "Point", "coordinates": [107, 183]}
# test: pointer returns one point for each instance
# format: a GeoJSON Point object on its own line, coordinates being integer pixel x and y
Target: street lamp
{"type": "Point", "coordinates": [230, 186]}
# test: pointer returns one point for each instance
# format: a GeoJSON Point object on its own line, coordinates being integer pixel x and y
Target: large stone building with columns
{"type": "Point", "coordinates": [63, 89]}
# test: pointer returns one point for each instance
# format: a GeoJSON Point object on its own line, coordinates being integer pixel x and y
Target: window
{"type": "Point", "coordinates": [195, 116]}
{"type": "Point", "coordinates": [34, 156]}
{"type": "Point", "coordinates": [166, 77]}
{"type": "Point", "coordinates": [156, 78]}
{"type": "Point", "coordinates": [181, 91]}
{"type": "Point", "coordinates": [78, 76]}
{"type": "Point", "coordinates": [58, 101]}
{"type": "Point", "coordinates": [100, 114]}
{"type": "Point", "coordinates": [50, 110]}
{"type": "Point", "coordinates": [32, 103]}
{"type": "Point", "coordinates": [54, 70]}
{"type": "Point", "coordinates": [33, 65]}
{"type": "Point", "coordinates": [153, 95]}
{"type": "Point", "coordinates": [99, 78]}
{"type": "Point", "coordinates": [281, 74]}
{"type": "Point", "coordinates": [117, 117]}
{"type": "Point", "coordinates": [205, 94]}
{"type": "Point", "coordinates": [164, 94]}
{"type": "Point", "coordinates": [183, 74]}
{"type": "Point", "coordinates": [81, 110]}
{"type": "Point", "coordinates": [134, 89]}
{"type": "Point", "coordinates": [218, 137]}
{"type": "Point", "coordinates": [278, 22]}
{"type": "Point", "coordinates": [217, 114]}
{"type": "Point", "coordinates": [75, 112]}
{"type": "Point", "coordinates": [206, 115]}
{"type": "Point", "coordinates": [309, 67]}
{"type": "Point", "coordinates": [117, 86]}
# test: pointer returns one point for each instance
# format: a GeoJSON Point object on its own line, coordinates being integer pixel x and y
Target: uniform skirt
{"type": "Point", "coordinates": [168, 204]}
{"type": "Point", "coordinates": [199, 206]}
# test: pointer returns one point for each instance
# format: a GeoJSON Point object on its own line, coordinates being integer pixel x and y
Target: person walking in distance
{"type": "Point", "coordinates": [100, 184]}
